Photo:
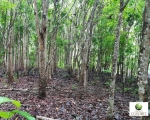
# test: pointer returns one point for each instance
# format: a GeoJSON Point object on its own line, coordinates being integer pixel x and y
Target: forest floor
{"type": "Point", "coordinates": [66, 100]}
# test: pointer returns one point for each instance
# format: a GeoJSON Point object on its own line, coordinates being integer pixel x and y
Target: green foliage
{"type": "Point", "coordinates": [61, 42]}
{"type": "Point", "coordinates": [32, 58]}
{"type": "Point", "coordinates": [50, 13]}
{"type": "Point", "coordinates": [117, 89]}
{"type": "Point", "coordinates": [1, 61]}
{"type": "Point", "coordinates": [5, 99]}
{"type": "Point", "coordinates": [15, 76]}
{"type": "Point", "coordinates": [135, 91]}
{"type": "Point", "coordinates": [74, 87]}
{"type": "Point", "coordinates": [107, 83]}
{"type": "Point", "coordinates": [107, 71]}
{"type": "Point", "coordinates": [90, 2]}
{"type": "Point", "coordinates": [65, 75]}
{"type": "Point", "coordinates": [130, 80]}
{"type": "Point", "coordinates": [94, 82]}
{"type": "Point", "coordinates": [5, 4]}
{"type": "Point", "coordinates": [127, 89]}
{"type": "Point", "coordinates": [5, 75]}
{"type": "Point", "coordinates": [9, 114]}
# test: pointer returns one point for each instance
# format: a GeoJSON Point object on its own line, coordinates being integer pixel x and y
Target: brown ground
{"type": "Point", "coordinates": [66, 99]}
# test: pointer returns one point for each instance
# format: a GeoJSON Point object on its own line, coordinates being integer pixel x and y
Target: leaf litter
{"type": "Point", "coordinates": [66, 99]}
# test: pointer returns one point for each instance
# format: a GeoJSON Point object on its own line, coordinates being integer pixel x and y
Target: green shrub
{"type": "Point", "coordinates": [65, 75]}
{"type": "Point", "coordinates": [74, 87]}
{"type": "Point", "coordinates": [94, 82]}
{"type": "Point", "coordinates": [15, 76]}
{"type": "Point", "coordinates": [130, 80]}
{"type": "Point", "coordinates": [127, 89]}
{"type": "Point", "coordinates": [107, 83]}
{"type": "Point", "coordinates": [135, 91]}
{"type": "Point", "coordinates": [117, 89]}
{"type": "Point", "coordinates": [107, 71]}
{"type": "Point", "coordinates": [9, 114]}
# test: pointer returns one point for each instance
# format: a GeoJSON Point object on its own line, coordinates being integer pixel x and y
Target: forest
{"type": "Point", "coordinates": [74, 59]}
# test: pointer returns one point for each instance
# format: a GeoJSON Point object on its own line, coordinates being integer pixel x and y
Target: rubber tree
{"type": "Point", "coordinates": [110, 109]}
{"type": "Point", "coordinates": [10, 39]}
{"type": "Point", "coordinates": [143, 62]}
{"type": "Point", "coordinates": [41, 26]}
{"type": "Point", "coordinates": [53, 26]}
{"type": "Point", "coordinates": [24, 44]}
{"type": "Point", "coordinates": [86, 36]}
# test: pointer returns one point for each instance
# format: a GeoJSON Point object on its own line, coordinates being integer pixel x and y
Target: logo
{"type": "Point", "coordinates": [138, 108]}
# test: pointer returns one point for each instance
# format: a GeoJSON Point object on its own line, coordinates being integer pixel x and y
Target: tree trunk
{"type": "Point", "coordinates": [114, 68]}
{"type": "Point", "coordinates": [28, 61]}
{"type": "Point", "coordinates": [5, 57]}
{"type": "Point", "coordinates": [14, 60]}
{"type": "Point", "coordinates": [110, 109]}
{"type": "Point", "coordinates": [41, 32]}
{"type": "Point", "coordinates": [144, 58]}
{"type": "Point", "coordinates": [24, 45]}
{"type": "Point", "coordinates": [118, 70]}
{"type": "Point", "coordinates": [10, 43]}
{"type": "Point", "coordinates": [99, 61]}
{"type": "Point", "coordinates": [10, 65]}
{"type": "Point", "coordinates": [51, 61]}
{"type": "Point", "coordinates": [85, 45]}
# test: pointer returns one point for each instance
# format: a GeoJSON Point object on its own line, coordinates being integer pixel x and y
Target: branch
{"type": "Point", "coordinates": [69, 10]}
{"type": "Point", "coordinates": [125, 4]}
{"type": "Point", "coordinates": [36, 17]}
{"type": "Point", "coordinates": [13, 89]}
{"type": "Point", "coordinates": [24, 90]}
{"type": "Point", "coordinates": [44, 118]}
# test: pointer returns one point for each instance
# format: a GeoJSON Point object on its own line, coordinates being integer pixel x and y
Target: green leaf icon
{"type": "Point", "coordinates": [138, 106]}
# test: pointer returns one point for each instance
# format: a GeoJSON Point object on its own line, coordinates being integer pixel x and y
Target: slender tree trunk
{"type": "Point", "coordinates": [124, 60]}
{"type": "Point", "coordinates": [114, 68]}
{"type": "Point", "coordinates": [24, 45]}
{"type": "Point", "coordinates": [18, 58]}
{"type": "Point", "coordinates": [5, 57]}
{"type": "Point", "coordinates": [28, 37]}
{"type": "Point", "coordinates": [144, 58]}
{"type": "Point", "coordinates": [10, 65]}
{"type": "Point", "coordinates": [99, 61]}
{"type": "Point", "coordinates": [37, 56]}
{"type": "Point", "coordinates": [52, 56]}
{"type": "Point", "coordinates": [110, 109]}
{"type": "Point", "coordinates": [10, 43]}
{"type": "Point", "coordinates": [85, 44]}
{"type": "Point", "coordinates": [14, 53]}
{"type": "Point", "coordinates": [41, 32]}
{"type": "Point", "coordinates": [118, 68]}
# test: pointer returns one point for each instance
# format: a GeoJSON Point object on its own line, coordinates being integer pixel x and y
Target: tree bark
{"type": "Point", "coordinates": [24, 45]}
{"type": "Point", "coordinates": [87, 39]}
{"type": "Point", "coordinates": [41, 32]}
{"type": "Point", "coordinates": [110, 109]}
{"type": "Point", "coordinates": [144, 58]}
{"type": "Point", "coordinates": [10, 65]}
{"type": "Point", "coordinates": [9, 45]}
